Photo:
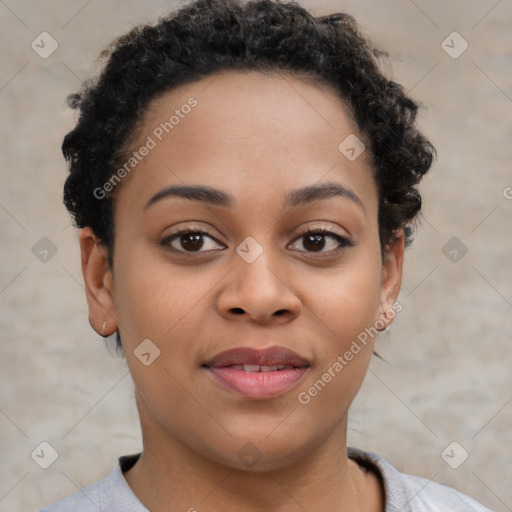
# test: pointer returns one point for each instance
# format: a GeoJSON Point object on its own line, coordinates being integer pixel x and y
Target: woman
{"type": "Point", "coordinates": [245, 183]}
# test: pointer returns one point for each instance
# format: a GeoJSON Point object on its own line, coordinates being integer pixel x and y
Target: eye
{"type": "Point", "coordinates": [191, 240]}
{"type": "Point", "coordinates": [322, 241]}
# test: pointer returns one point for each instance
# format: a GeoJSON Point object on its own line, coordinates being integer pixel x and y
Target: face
{"type": "Point", "coordinates": [252, 286]}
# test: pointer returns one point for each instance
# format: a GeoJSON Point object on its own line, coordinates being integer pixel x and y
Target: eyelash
{"type": "Point", "coordinates": [343, 242]}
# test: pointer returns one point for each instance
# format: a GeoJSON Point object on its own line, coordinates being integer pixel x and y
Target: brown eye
{"type": "Point", "coordinates": [318, 240]}
{"type": "Point", "coordinates": [314, 242]}
{"type": "Point", "coordinates": [189, 241]}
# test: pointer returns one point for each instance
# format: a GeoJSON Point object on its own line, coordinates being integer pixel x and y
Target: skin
{"type": "Point", "coordinates": [257, 137]}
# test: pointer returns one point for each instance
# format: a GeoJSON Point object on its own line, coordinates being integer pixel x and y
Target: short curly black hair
{"type": "Point", "coordinates": [209, 36]}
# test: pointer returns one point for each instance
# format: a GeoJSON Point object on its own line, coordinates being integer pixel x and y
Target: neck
{"type": "Point", "coordinates": [170, 476]}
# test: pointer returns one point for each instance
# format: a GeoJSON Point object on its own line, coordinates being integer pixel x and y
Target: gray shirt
{"type": "Point", "coordinates": [403, 493]}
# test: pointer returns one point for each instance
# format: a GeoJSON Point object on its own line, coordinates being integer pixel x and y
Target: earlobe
{"type": "Point", "coordinates": [392, 271]}
{"type": "Point", "coordinates": [98, 283]}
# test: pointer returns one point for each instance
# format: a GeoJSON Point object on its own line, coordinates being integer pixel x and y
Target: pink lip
{"type": "Point", "coordinates": [225, 369]}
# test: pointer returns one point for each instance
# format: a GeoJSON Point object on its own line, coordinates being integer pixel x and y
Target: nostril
{"type": "Point", "coordinates": [238, 311]}
{"type": "Point", "coordinates": [280, 312]}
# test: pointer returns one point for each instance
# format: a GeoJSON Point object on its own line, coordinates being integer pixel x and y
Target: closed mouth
{"type": "Point", "coordinates": [257, 374]}
{"type": "Point", "coordinates": [258, 360]}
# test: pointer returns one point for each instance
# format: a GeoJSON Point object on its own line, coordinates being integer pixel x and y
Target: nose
{"type": "Point", "coordinates": [258, 292]}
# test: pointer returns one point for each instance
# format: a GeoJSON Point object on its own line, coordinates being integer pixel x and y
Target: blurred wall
{"type": "Point", "coordinates": [448, 356]}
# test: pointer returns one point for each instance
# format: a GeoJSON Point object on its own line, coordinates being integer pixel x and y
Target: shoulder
{"type": "Point", "coordinates": [409, 493]}
{"type": "Point", "coordinates": [87, 499]}
{"type": "Point", "coordinates": [427, 495]}
{"type": "Point", "coordinates": [112, 493]}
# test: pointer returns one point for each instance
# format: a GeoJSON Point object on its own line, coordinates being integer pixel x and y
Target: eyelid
{"type": "Point", "coordinates": [323, 228]}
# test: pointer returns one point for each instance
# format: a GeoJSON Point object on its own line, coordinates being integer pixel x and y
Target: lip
{"type": "Point", "coordinates": [226, 368]}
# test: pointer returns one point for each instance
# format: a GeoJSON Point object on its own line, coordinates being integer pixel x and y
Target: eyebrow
{"type": "Point", "coordinates": [216, 197]}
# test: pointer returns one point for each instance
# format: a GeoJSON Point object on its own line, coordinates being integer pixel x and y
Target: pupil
{"type": "Point", "coordinates": [317, 242]}
{"type": "Point", "coordinates": [192, 241]}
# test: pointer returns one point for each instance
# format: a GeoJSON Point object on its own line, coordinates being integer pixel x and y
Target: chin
{"type": "Point", "coordinates": [261, 453]}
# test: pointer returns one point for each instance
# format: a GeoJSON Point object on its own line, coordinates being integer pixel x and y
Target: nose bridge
{"type": "Point", "coordinates": [258, 286]}
{"type": "Point", "coordinates": [262, 273]}
{"type": "Point", "coordinates": [258, 270]}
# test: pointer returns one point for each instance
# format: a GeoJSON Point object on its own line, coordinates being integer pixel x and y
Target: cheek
{"type": "Point", "coordinates": [347, 300]}
{"type": "Point", "coordinates": [153, 298]}
{"type": "Point", "coordinates": [342, 363]}
{"type": "Point", "coordinates": [346, 308]}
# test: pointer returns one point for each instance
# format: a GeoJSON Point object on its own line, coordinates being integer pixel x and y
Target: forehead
{"type": "Point", "coordinates": [273, 130]}
{"type": "Point", "coordinates": [251, 105]}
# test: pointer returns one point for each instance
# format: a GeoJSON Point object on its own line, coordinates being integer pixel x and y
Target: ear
{"type": "Point", "coordinates": [98, 283]}
{"type": "Point", "coordinates": [392, 270]}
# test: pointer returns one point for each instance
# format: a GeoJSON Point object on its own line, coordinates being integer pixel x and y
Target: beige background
{"type": "Point", "coordinates": [448, 376]}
